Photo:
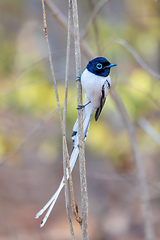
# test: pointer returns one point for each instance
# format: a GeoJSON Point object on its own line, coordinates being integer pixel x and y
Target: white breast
{"type": "Point", "coordinates": [92, 85]}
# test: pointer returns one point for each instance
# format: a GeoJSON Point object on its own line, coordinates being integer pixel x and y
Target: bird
{"type": "Point", "coordinates": [96, 83]}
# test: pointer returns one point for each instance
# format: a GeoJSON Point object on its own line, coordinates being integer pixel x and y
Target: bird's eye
{"type": "Point", "coordinates": [99, 65]}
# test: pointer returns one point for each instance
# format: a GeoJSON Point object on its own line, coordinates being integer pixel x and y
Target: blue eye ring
{"type": "Point", "coordinates": [99, 65]}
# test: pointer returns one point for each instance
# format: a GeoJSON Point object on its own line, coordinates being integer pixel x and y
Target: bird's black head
{"type": "Point", "coordinates": [100, 66]}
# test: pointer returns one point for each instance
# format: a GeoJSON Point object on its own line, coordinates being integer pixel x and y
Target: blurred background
{"type": "Point", "coordinates": [125, 32]}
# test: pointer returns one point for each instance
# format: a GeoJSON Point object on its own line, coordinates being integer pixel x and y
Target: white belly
{"type": "Point", "coordinates": [92, 85]}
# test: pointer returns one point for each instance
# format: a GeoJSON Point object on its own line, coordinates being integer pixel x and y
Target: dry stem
{"type": "Point", "coordinates": [65, 148]}
{"type": "Point", "coordinates": [84, 195]}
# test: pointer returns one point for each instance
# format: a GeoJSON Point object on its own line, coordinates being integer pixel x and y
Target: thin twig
{"type": "Point", "coordinates": [67, 167]}
{"type": "Point", "coordinates": [147, 127]}
{"type": "Point", "coordinates": [147, 212]}
{"type": "Point", "coordinates": [73, 204]}
{"type": "Point", "coordinates": [51, 64]}
{"type": "Point", "coordinates": [92, 17]}
{"type": "Point", "coordinates": [137, 57]}
{"type": "Point", "coordinates": [65, 148]}
{"type": "Point", "coordinates": [62, 121]}
{"type": "Point", "coordinates": [96, 32]}
{"type": "Point", "coordinates": [148, 94]}
{"type": "Point", "coordinates": [59, 16]}
{"type": "Point", "coordinates": [62, 20]}
{"type": "Point", "coordinates": [84, 195]}
{"type": "Point", "coordinates": [78, 218]}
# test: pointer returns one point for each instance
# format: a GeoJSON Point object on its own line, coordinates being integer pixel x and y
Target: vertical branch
{"type": "Point", "coordinates": [65, 149]}
{"type": "Point", "coordinates": [65, 164]}
{"type": "Point", "coordinates": [51, 63]}
{"type": "Point", "coordinates": [62, 121]}
{"type": "Point", "coordinates": [84, 195]}
{"type": "Point", "coordinates": [146, 207]}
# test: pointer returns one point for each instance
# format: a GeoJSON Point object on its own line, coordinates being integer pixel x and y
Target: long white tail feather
{"type": "Point", "coordinates": [53, 199]}
{"type": "Point", "coordinates": [50, 204]}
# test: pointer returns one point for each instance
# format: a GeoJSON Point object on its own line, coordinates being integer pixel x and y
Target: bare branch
{"type": "Point", "coordinates": [65, 167]}
{"type": "Point", "coordinates": [63, 22]}
{"type": "Point", "coordinates": [148, 94]}
{"type": "Point", "coordinates": [61, 19]}
{"type": "Point", "coordinates": [73, 204]}
{"type": "Point", "coordinates": [96, 32]}
{"type": "Point", "coordinates": [66, 155]}
{"type": "Point", "coordinates": [65, 148]}
{"type": "Point", "coordinates": [92, 17]}
{"type": "Point", "coordinates": [138, 58]}
{"type": "Point", "coordinates": [147, 212]}
{"type": "Point", "coordinates": [51, 64]}
{"type": "Point", "coordinates": [147, 127]}
{"type": "Point", "coordinates": [84, 195]}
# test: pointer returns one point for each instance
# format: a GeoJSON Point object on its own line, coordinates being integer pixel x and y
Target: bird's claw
{"type": "Point", "coordinates": [83, 106]}
{"type": "Point", "coordinates": [80, 106]}
{"type": "Point", "coordinates": [78, 79]}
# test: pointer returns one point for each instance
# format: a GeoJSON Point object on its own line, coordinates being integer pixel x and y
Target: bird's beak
{"type": "Point", "coordinates": [111, 65]}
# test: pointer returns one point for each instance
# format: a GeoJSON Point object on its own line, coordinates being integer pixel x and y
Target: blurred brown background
{"type": "Point", "coordinates": [30, 134]}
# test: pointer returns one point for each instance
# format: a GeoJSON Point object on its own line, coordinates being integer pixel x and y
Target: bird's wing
{"type": "Point", "coordinates": [102, 100]}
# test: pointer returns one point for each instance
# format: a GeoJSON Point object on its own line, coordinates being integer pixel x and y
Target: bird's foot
{"type": "Point", "coordinates": [78, 79]}
{"type": "Point", "coordinates": [82, 106]}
